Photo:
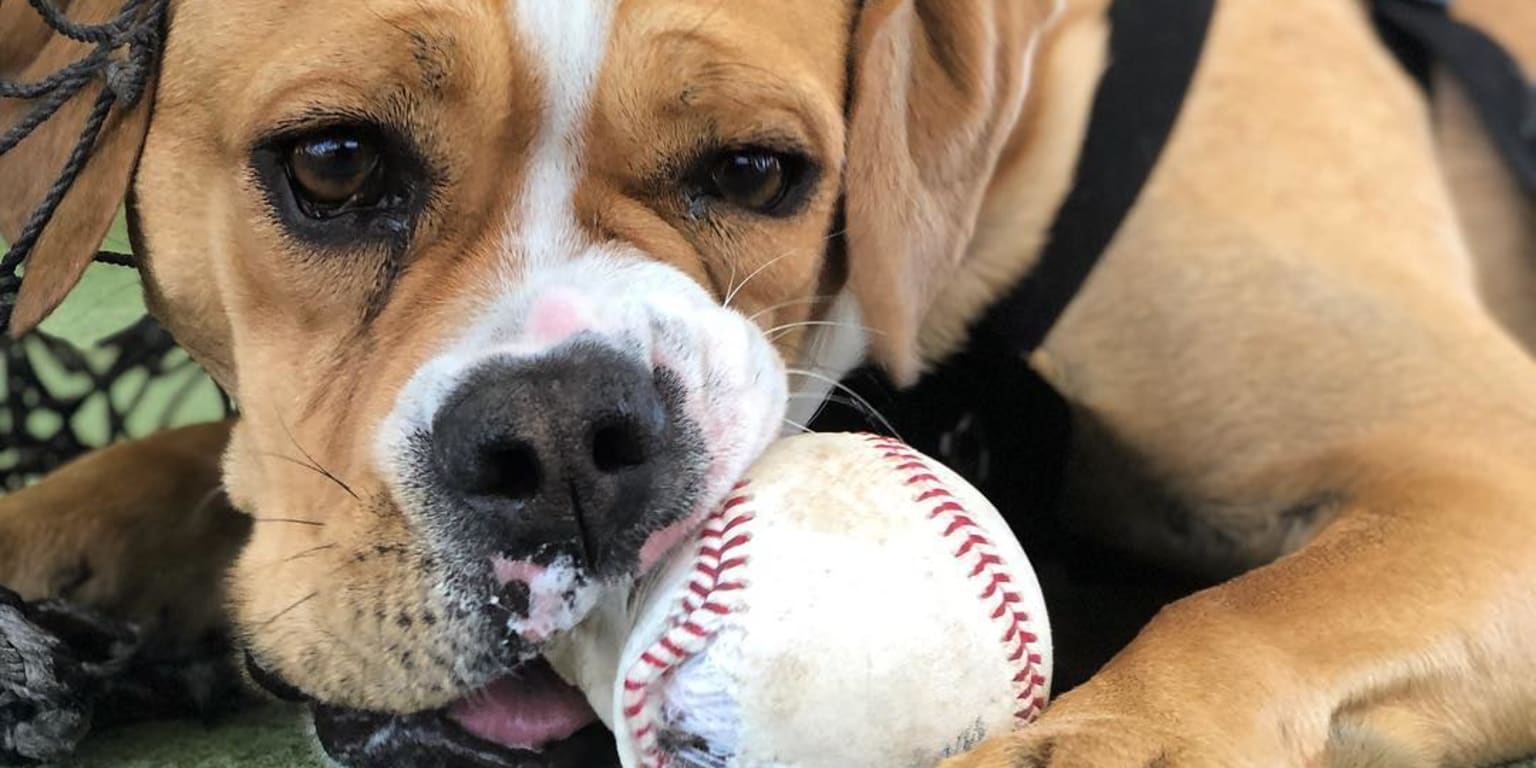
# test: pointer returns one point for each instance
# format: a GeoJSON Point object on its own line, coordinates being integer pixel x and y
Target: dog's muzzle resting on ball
{"type": "Point", "coordinates": [557, 470]}
{"type": "Point", "coordinates": [569, 439]}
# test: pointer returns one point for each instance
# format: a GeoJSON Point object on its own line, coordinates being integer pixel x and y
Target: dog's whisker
{"type": "Point", "coordinates": [864, 405]}
{"type": "Point", "coordinates": [779, 331]}
{"type": "Point", "coordinates": [300, 555]}
{"type": "Point", "coordinates": [791, 303]}
{"type": "Point", "coordinates": [730, 284]}
{"type": "Point", "coordinates": [307, 552]}
{"type": "Point", "coordinates": [797, 425]}
{"type": "Point", "coordinates": [731, 294]}
{"type": "Point", "coordinates": [290, 608]}
{"type": "Point", "coordinates": [734, 288]}
{"type": "Point", "coordinates": [289, 520]}
{"type": "Point", "coordinates": [829, 397]}
{"type": "Point", "coordinates": [208, 498]}
{"type": "Point", "coordinates": [315, 465]}
{"type": "Point", "coordinates": [823, 401]}
{"type": "Point", "coordinates": [317, 469]}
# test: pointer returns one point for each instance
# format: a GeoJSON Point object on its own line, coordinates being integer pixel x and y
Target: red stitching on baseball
{"type": "Point", "coordinates": [985, 561]}
{"type": "Point", "coordinates": [700, 612]}
{"type": "Point", "coordinates": [988, 567]}
{"type": "Point", "coordinates": [948, 506]}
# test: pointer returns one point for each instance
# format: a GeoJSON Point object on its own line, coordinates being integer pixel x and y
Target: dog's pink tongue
{"type": "Point", "coordinates": [525, 710]}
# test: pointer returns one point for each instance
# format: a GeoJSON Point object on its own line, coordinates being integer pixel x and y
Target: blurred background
{"type": "Point", "coordinates": [97, 370]}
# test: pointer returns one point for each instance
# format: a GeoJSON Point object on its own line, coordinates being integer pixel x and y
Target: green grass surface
{"type": "Point", "coordinates": [268, 737]}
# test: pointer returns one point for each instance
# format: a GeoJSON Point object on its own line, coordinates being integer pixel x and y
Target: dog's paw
{"type": "Point", "coordinates": [1097, 726]}
{"type": "Point", "coordinates": [1108, 742]}
{"type": "Point", "coordinates": [1105, 744]}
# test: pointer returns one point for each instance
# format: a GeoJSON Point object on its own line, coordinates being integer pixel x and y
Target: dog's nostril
{"type": "Point", "coordinates": [509, 470]}
{"type": "Point", "coordinates": [616, 446]}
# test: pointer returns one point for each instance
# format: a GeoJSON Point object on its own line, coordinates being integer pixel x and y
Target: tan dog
{"type": "Point", "coordinates": [428, 247]}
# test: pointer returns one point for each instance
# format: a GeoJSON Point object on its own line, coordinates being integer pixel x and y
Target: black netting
{"type": "Point", "coordinates": [59, 401]}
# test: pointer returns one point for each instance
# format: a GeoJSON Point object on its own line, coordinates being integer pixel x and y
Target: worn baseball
{"type": "Point", "coordinates": [851, 603]}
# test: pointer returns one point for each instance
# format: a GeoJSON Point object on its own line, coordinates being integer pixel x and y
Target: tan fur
{"type": "Point", "coordinates": [940, 88]}
{"type": "Point", "coordinates": [1291, 314]}
{"type": "Point", "coordinates": [316, 382]}
{"type": "Point", "coordinates": [680, 70]}
{"type": "Point", "coordinates": [1306, 336]}
{"type": "Point", "coordinates": [1495, 214]}
{"type": "Point", "coordinates": [138, 529]}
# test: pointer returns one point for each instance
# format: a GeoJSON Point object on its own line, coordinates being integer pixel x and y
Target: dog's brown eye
{"type": "Point", "coordinates": [752, 179]}
{"type": "Point", "coordinates": [333, 172]}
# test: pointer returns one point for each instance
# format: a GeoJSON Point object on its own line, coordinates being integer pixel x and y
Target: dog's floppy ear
{"type": "Point", "coordinates": [30, 51]}
{"type": "Point", "coordinates": [938, 87]}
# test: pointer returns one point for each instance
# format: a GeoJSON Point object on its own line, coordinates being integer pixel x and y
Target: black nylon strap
{"type": "Point", "coordinates": [1153, 49]}
{"type": "Point", "coordinates": [1422, 32]}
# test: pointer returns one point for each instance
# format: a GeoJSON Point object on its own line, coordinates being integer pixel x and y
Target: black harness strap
{"type": "Point", "coordinates": [1153, 50]}
{"type": "Point", "coordinates": [1422, 32]}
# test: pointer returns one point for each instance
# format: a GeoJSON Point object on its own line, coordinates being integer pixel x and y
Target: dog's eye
{"type": "Point", "coordinates": [759, 180]}
{"type": "Point", "coordinates": [336, 171]}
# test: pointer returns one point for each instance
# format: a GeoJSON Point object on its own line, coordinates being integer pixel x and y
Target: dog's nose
{"type": "Point", "coordinates": [566, 448]}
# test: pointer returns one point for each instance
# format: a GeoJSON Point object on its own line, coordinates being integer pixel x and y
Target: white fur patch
{"type": "Point", "coordinates": [567, 40]}
{"type": "Point", "coordinates": [558, 598]}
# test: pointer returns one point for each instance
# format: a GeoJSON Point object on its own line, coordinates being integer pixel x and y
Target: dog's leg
{"type": "Point", "coordinates": [139, 531]}
{"type": "Point", "coordinates": [1399, 637]}
{"type": "Point", "coordinates": [1286, 345]}
{"type": "Point", "coordinates": [118, 559]}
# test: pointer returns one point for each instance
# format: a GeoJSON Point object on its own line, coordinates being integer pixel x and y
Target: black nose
{"type": "Point", "coordinates": [566, 449]}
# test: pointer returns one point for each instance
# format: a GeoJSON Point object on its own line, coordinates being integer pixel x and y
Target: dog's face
{"type": "Point", "coordinates": [510, 288]}
{"type": "Point", "coordinates": [509, 292]}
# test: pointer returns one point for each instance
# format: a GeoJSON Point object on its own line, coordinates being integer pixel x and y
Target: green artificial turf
{"type": "Point", "coordinates": [267, 737]}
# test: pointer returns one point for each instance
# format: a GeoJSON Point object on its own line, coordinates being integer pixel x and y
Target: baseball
{"type": "Point", "coordinates": [851, 603]}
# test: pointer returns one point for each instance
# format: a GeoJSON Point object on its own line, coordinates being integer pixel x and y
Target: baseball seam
{"type": "Point", "coordinates": [698, 615]}
{"type": "Point", "coordinates": [976, 549]}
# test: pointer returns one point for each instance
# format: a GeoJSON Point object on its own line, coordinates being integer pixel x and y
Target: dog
{"type": "Point", "coordinates": [508, 293]}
